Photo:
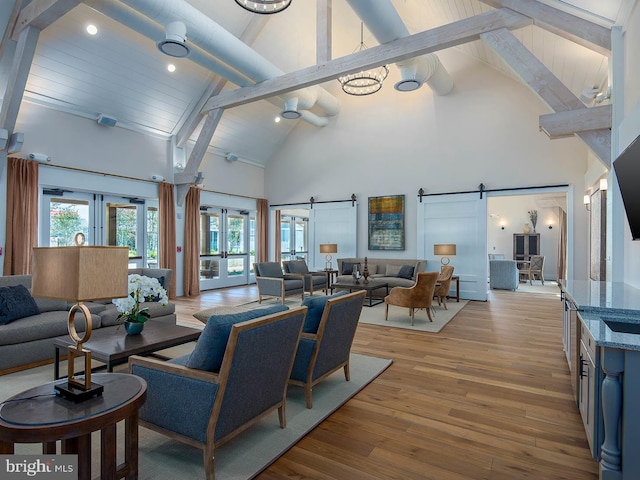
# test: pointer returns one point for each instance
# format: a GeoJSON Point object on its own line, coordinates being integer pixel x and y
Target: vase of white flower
{"type": "Point", "coordinates": [141, 289]}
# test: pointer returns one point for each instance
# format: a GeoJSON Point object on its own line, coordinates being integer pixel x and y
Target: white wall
{"type": "Point", "coordinates": [512, 211]}
{"type": "Point", "coordinates": [485, 131]}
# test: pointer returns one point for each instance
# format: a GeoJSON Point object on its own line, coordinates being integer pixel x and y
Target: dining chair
{"type": "Point", "coordinates": [535, 267]}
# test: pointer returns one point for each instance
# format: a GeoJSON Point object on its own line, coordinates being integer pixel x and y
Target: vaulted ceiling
{"type": "Point", "coordinates": [120, 72]}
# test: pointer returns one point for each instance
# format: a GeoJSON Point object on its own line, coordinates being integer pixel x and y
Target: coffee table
{"type": "Point", "coordinates": [114, 346]}
{"type": "Point", "coordinates": [368, 287]}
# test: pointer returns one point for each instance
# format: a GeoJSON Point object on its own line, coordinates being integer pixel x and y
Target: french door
{"type": "Point", "coordinates": [294, 237]}
{"type": "Point", "coordinates": [227, 247]}
{"type": "Point", "coordinates": [104, 220]}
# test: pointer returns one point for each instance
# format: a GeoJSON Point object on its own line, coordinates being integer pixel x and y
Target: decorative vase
{"type": "Point", "coordinates": [133, 328]}
{"type": "Point", "coordinates": [356, 274]}
{"type": "Point", "coordinates": [526, 229]}
{"type": "Point", "coordinates": [365, 271]}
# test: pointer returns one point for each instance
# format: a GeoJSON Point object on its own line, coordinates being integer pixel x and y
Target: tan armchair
{"type": "Point", "coordinates": [444, 280]}
{"type": "Point", "coordinates": [420, 295]}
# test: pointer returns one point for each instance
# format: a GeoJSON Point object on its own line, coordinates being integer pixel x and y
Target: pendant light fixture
{"type": "Point", "coordinates": [365, 82]}
{"type": "Point", "coordinates": [264, 7]}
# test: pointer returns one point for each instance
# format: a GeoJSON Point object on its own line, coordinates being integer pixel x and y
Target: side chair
{"type": "Point", "coordinates": [273, 282]}
{"type": "Point", "coordinates": [313, 281]}
{"type": "Point", "coordinates": [534, 268]}
{"type": "Point", "coordinates": [206, 408]}
{"type": "Point", "coordinates": [420, 295]}
{"type": "Point", "coordinates": [444, 280]}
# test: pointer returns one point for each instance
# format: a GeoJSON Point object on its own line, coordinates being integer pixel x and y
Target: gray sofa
{"type": "Point", "coordinates": [384, 269]}
{"type": "Point", "coordinates": [29, 340]}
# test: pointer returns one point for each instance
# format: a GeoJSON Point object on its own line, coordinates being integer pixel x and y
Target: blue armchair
{"type": "Point", "coordinates": [503, 274]}
{"type": "Point", "coordinates": [248, 380]}
{"type": "Point", "coordinates": [326, 339]}
{"type": "Point", "coordinates": [273, 282]}
{"type": "Point", "coordinates": [312, 280]}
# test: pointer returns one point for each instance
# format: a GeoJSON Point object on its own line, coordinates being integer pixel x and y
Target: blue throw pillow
{"type": "Point", "coordinates": [315, 308]}
{"type": "Point", "coordinates": [16, 302]}
{"type": "Point", "coordinates": [347, 267]}
{"type": "Point", "coordinates": [406, 271]}
{"type": "Point", "coordinates": [209, 350]}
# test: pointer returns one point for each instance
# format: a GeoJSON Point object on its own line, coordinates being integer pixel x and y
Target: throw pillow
{"type": "Point", "coordinates": [392, 270]}
{"type": "Point", "coordinates": [209, 350]}
{"type": "Point", "coordinates": [16, 302]}
{"type": "Point", "coordinates": [406, 271]}
{"type": "Point", "coordinates": [315, 308]}
{"type": "Point", "coordinates": [347, 267]}
{"type": "Point", "coordinates": [298, 266]}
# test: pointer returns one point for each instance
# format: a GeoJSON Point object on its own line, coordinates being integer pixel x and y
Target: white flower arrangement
{"type": "Point", "coordinates": [141, 289]}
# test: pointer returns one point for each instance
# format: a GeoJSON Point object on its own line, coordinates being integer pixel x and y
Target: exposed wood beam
{"type": "Point", "coordinates": [254, 28]}
{"type": "Point", "coordinates": [578, 30]}
{"type": "Point", "coordinates": [323, 31]}
{"type": "Point", "coordinates": [13, 18]}
{"type": "Point", "coordinates": [42, 13]}
{"type": "Point", "coordinates": [548, 87]}
{"type": "Point", "coordinates": [430, 41]}
{"type": "Point", "coordinates": [195, 159]}
{"type": "Point", "coordinates": [564, 124]}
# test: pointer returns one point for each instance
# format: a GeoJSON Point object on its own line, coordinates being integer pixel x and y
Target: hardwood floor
{"type": "Point", "coordinates": [489, 397]}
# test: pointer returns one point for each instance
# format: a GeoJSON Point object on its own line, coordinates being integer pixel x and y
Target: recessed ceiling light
{"type": "Point", "coordinates": [277, 119]}
{"type": "Point", "coordinates": [92, 29]}
{"type": "Point", "coordinates": [171, 67]}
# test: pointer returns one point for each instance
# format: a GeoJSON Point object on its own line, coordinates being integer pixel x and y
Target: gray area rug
{"type": "Point", "coordinates": [399, 316]}
{"type": "Point", "coordinates": [247, 454]}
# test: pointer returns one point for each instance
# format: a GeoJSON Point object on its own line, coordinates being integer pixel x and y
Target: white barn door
{"type": "Point", "coordinates": [332, 223]}
{"type": "Point", "coordinates": [461, 219]}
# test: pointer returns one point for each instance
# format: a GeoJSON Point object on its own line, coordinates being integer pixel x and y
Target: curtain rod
{"type": "Point", "coordinates": [481, 189]}
{"type": "Point", "coordinates": [311, 201]}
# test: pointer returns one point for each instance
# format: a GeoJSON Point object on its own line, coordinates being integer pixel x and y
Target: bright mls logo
{"type": "Point", "coordinates": [50, 467]}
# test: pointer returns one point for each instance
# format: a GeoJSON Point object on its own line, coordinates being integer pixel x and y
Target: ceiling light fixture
{"type": "Point", "coordinates": [171, 67]}
{"type": "Point", "coordinates": [365, 82]}
{"type": "Point", "coordinates": [92, 29]}
{"type": "Point", "coordinates": [277, 119]}
{"type": "Point", "coordinates": [264, 7]}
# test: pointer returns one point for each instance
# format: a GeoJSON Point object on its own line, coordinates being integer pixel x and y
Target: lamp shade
{"type": "Point", "coordinates": [80, 273]}
{"type": "Point", "coordinates": [328, 248]}
{"type": "Point", "coordinates": [444, 249]}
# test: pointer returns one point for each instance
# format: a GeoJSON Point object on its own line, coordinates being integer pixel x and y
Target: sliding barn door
{"type": "Point", "coordinates": [332, 223]}
{"type": "Point", "coordinates": [460, 219]}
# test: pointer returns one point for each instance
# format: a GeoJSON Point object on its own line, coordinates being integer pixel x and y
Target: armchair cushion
{"type": "Point", "coordinates": [209, 350]}
{"type": "Point", "coordinates": [306, 346]}
{"type": "Point", "coordinates": [315, 308]}
{"type": "Point", "coordinates": [270, 269]}
{"type": "Point", "coordinates": [297, 266]}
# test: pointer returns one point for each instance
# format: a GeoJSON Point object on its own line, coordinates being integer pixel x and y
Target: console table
{"type": "Point", "coordinates": [38, 415]}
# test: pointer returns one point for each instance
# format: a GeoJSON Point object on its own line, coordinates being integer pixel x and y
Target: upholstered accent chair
{"type": "Point", "coordinates": [326, 339]}
{"type": "Point", "coordinates": [444, 285]}
{"type": "Point", "coordinates": [273, 282]}
{"type": "Point", "coordinates": [313, 281]}
{"type": "Point", "coordinates": [503, 274]}
{"type": "Point", "coordinates": [420, 295]}
{"type": "Point", "coordinates": [206, 408]}
{"type": "Point", "coordinates": [534, 268]}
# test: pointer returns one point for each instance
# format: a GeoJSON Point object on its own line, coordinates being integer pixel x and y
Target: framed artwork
{"type": "Point", "coordinates": [386, 223]}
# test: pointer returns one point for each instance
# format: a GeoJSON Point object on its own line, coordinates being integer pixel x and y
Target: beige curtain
{"type": "Point", "coordinates": [22, 215]}
{"type": "Point", "coordinates": [562, 245]}
{"type": "Point", "coordinates": [167, 239]}
{"type": "Point", "coordinates": [263, 230]}
{"type": "Point", "coordinates": [278, 239]}
{"type": "Point", "coordinates": [192, 243]}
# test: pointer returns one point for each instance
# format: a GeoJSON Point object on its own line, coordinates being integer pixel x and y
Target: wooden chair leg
{"type": "Point", "coordinates": [307, 395]}
{"type": "Point", "coordinates": [282, 415]}
{"type": "Point", "coordinates": [444, 302]}
{"type": "Point", "coordinates": [386, 311]}
{"type": "Point", "coordinates": [207, 454]}
{"type": "Point", "coordinates": [412, 316]}
{"type": "Point", "coordinates": [429, 314]}
{"type": "Point", "coordinates": [347, 375]}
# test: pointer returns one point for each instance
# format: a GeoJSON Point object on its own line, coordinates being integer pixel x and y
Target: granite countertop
{"type": "Point", "coordinates": [598, 302]}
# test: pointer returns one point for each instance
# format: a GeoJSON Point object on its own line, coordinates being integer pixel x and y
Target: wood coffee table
{"type": "Point", "coordinates": [113, 346]}
{"type": "Point", "coordinates": [368, 287]}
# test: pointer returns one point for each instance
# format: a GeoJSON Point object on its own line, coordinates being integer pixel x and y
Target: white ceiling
{"type": "Point", "coordinates": [120, 72]}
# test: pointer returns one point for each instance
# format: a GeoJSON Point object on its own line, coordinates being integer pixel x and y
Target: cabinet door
{"type": "Point", "coordinates": [533, 244]}
{"type": "Point", "coordinates": [518, 246]}
{"type": "Point", "coordinates": [586, 398]}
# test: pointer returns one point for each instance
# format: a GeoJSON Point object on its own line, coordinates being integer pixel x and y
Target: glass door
{"type": "Point", "coordinates": [63, 215]}
{"type": "Point", "coordinates": [294, 234]}
{"type": "Point", "coordinates": [227, 247]}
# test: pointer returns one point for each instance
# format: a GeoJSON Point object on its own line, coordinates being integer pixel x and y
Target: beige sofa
{"type": "Point", "coordinates": [387, 270]}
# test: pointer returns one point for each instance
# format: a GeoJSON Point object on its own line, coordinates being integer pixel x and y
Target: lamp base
{"type": "Point", "coordinates": [77, 394]}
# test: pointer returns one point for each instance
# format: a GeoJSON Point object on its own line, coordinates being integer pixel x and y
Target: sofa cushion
{"type": "Point", "coordinates": [46, 325]}
{"type": "Point", "coordinates": [392, 270]}
{"type": "Point", "coordinates": [16, 302]}
{"type": "Point", "coordinates": [110, 313]}
{"type": "Point", "coordinates": [372, 267]}
{"type": "Point", "coordinates": [406, 271]}
{"type": "Point", "coordinates": [347, 267]}
{"type": "Point", "coordinates": [209, 350]}
{"type": "Point", "coordinates": [315, 308]}
{"type": "Point", "coordinates": [50, 304]}
{"type": "Point", "coordinates": [270, 269]}
{"type": "Point", "coordinates": [298, 266]}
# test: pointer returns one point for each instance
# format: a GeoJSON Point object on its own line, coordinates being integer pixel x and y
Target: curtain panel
{"type": "Point", "coordinates": [22, 215]}
{"type": "Point", "coordinates": [263, 230]}
{"type": "Point", "coordinates": [167, 208]}
{"type": "Point", "coordinates": [278, 239]}
{"type": "Point", "coordinates": [192, 243]}
{"type": "Point", "coordinates": [562, 245]}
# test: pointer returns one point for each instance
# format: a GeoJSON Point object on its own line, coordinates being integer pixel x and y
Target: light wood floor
{"type": "Point", "coordinates": [489, 397]}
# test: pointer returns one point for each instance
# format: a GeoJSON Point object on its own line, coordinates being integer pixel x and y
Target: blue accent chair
{"type": "Point", "coordinates": [206, 408]}
{"type": "Point", "coordinates": [273, 282]}
{"type": "Point", "coordinates": [322, 353]}
{"type": "Point", "coordinates": [312, 280]}
{"type": "Point", "coordinates": [503, 274]}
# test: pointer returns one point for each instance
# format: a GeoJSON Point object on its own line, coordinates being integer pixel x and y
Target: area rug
{"type": "Point", "coordinates": [247, 454]}
{"type": "Point", "coordinates": [399, 317]}
{"type": "Point", "coordinates": [549, 288]}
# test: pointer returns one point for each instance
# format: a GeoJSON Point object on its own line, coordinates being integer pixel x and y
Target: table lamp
{"type": "Point", "coordinates": [445, 250]}
{"type": "Point", "coordinates": [328, 248]}
{"type": "Point", "coordinates": [79, 274]}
